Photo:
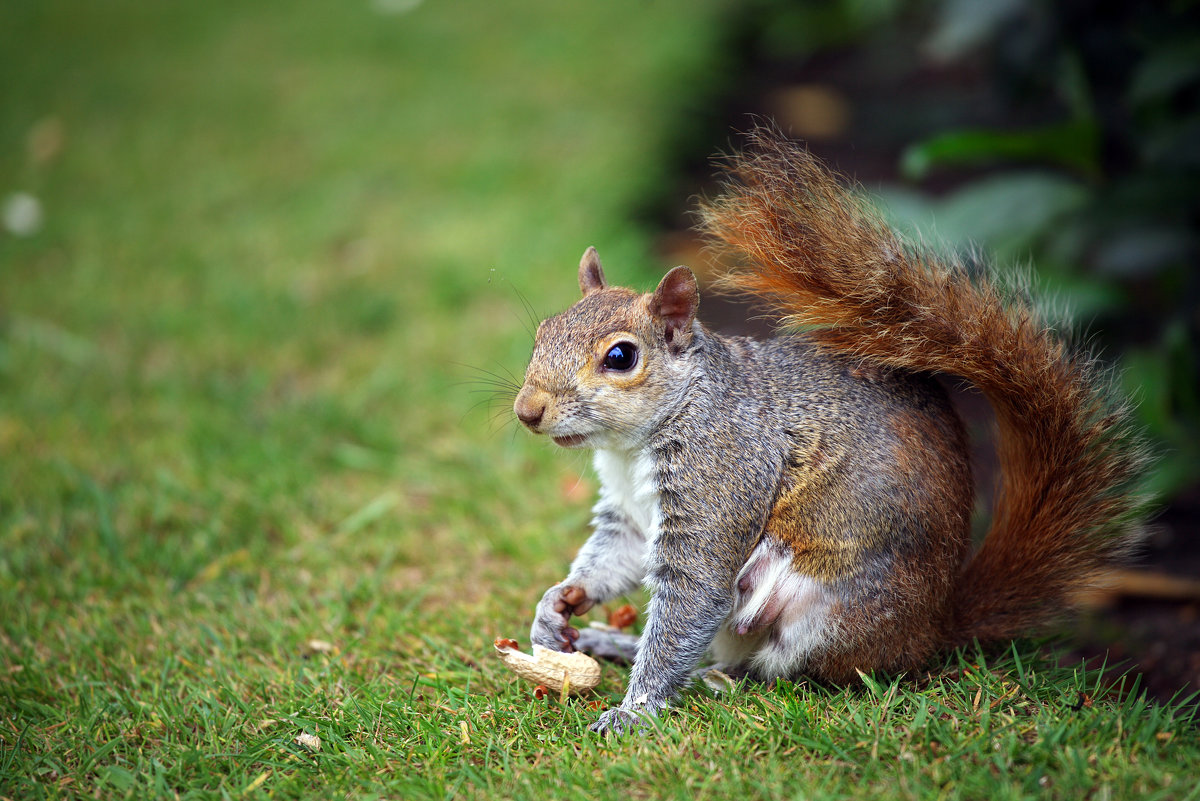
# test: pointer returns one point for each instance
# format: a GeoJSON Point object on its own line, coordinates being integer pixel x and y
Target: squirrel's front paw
{"type": "Point", "coordinates": [619, 721]}
{"type": "Point", "coordinates": [550, 624]}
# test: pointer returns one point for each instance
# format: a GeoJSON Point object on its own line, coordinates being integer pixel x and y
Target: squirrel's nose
{"type": "Point", "coordinates": [529, 410]}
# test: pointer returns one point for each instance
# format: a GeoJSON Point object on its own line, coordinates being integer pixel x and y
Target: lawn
{"type": "Point", "coordinates": [256, 478]}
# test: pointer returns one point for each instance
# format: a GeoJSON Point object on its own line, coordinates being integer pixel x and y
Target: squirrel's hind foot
{"type": "Point", "coordinates": [615, 646]}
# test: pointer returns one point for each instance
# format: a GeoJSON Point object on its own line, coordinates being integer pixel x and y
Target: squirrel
{"type": "Point", "coordinates": [801, 505]}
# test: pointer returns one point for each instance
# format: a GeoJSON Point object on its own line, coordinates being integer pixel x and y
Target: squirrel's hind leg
{"type": "Point", "coordinates": [779, 619]}
{"type": "Point", "coordinates": [615, 646]}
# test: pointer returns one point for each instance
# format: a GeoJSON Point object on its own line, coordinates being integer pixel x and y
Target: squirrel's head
{"type": "Point", "coordinates": [608, 369]}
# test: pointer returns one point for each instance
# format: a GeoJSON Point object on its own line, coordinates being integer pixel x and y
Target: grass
{"type": "Point", "coordinates": [234, 418]}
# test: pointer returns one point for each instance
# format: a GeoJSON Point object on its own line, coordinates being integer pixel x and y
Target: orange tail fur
{"type": "Point", "coordinates": [1071, 459]}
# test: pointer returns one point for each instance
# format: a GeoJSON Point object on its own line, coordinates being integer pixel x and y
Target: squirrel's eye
{"type": "Point", "coordinates": [621, 356]}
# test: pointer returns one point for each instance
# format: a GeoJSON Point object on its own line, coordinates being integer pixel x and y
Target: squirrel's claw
{"type": "Point", "coordinates": [619, 721]}
{"type": "Point", "coordinates": [550, 624]}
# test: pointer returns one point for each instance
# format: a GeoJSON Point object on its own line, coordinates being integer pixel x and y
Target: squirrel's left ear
{"type": "Point", "coordinates": [675, 303]}
{"type": "Point", "coordinates": [591, 277]}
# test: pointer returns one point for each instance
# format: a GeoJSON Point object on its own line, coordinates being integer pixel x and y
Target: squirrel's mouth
{"type": "Point", "coordinates": [570, 441]}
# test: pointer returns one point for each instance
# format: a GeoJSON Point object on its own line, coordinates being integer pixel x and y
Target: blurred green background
{"type": "Point", "coordinates": [260, 264]}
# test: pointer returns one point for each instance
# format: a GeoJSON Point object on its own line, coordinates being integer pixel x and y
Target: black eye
{"type": "Point", "coordinates": [621, 356]}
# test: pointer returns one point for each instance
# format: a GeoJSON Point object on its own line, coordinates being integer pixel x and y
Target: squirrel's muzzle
{"type": "Point", "coordinates": [530, 407]}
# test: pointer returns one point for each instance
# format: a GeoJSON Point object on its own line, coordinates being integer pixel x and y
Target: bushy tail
{"type": "Point", "coordinates": [1070, 457]}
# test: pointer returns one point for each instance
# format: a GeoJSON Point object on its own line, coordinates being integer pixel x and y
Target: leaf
{"type": "Point", "coordinates": [1165, 70]}
{"type": "Point", "coordinates": [1138, 251]}
{"type": "Point", "coordinates": [1074, 145]}
{"type": "Point", "coordinates": [1005, 213]}
{"type": "Point", "coordinates": [718, 681]}
{"type": "Point", "coordinates": [965, 25]}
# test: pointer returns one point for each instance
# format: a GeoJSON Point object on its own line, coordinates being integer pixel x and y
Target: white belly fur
{"type": "Point", "coordinates": [627, 479]}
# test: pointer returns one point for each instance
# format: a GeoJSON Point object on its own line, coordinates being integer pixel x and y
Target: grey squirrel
{"type": "Point", "coordinates": [801, 505]}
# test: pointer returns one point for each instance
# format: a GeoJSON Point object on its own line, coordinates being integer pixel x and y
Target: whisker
{"type": "Point", "coordinates": [532, 318]}
{"type": "Point", "coordinates": [491, 402]}
{"type": "Point", "coordinates": [485, 386]}
{"type": "Point", "coordinates": [487, 378]}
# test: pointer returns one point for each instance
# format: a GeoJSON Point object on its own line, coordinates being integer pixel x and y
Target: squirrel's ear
{"type": "Point", "coordinates": [591, 277]}
{"type": "Point", "coordinates": [675, 303]}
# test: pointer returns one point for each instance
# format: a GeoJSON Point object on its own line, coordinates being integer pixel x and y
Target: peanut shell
{"type": "Point", "coordinates": [578, 671]}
